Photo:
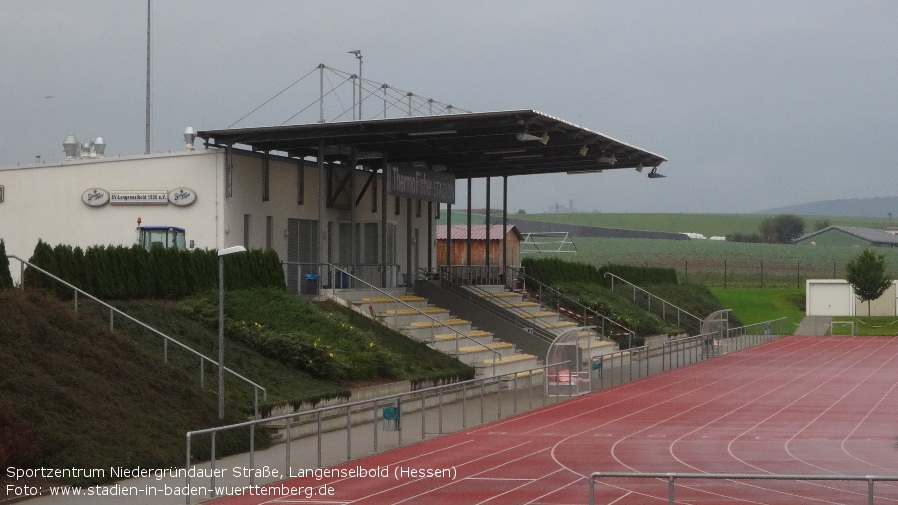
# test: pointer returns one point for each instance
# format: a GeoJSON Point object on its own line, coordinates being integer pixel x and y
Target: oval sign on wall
{"type": "Point", "coordinates": [182, 197]}
{"type": "Point", "coordinates": [95, 197]}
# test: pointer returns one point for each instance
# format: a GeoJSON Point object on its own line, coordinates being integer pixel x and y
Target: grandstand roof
{"type": "Point", "coordinates": [483, 144]}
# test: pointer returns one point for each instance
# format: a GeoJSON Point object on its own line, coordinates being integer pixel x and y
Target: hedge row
{"type": "Point", "coordinates": [642, 276]}
{"type": "Point", "coordinates": [118, 272]}
{"type": "Point", "coordinates": [554, 270]}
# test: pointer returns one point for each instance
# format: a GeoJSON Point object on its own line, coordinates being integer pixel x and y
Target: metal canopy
{"type": "Point", "coordinates": [485, 144]}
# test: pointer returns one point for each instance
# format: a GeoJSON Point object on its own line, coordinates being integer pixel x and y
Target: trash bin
{"type": "Point", "coordinates": [391, 418]}
{"type": "Point", "coordinates": [311, 287]}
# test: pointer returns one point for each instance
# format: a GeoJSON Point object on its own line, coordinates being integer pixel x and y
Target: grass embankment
{"type": "Point", "coordinates": [759, 305]}
{"type": "Point", "coordinates": [75, 395]}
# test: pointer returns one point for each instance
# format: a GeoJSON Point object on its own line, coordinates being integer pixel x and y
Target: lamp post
{"type": "Point", "coordinates": [221, 254]}
{"type": "Point", "coordinates": [358, 54]}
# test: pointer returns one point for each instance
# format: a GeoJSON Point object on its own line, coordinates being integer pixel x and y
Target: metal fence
{"type": "Point", "coordinates": [669, 479]}
{"type": "Point", "coordinates": [483, 398]}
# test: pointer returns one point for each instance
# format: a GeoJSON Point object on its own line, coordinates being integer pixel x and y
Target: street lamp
{"type": "Point", "coordinates": [221, 254]}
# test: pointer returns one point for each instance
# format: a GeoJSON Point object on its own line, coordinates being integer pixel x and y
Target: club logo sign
{"type": "Point", "coordinates": [95, 197]}
{"type": "Point", "coordinates": [98, 197]}
{"type": "Point", "coordinates": [182, 197]}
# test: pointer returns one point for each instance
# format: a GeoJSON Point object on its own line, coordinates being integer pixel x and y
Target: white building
{"type": "Point", "coordinates": [316, 194]}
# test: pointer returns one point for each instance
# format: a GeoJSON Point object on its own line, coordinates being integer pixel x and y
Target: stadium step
{"type": "Point", "coordinates": [506, 365]}
{"type": "Point", "coordinates": [413, 316]}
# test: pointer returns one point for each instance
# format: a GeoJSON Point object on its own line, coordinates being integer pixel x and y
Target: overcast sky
{"type": "Point", "coordinates": [755, 104]}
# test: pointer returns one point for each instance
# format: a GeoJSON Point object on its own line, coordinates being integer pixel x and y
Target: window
{"type": "Point", "coordinates": [417, 208]}
{"type": "Point", "coordinates": [269, 229]}
{"type": "Point", "coordinates": [398, 206]}
{"type": "Point", "coordinates": [266, 177]}
{"type": "Point", "coordinates": [300, 183]}
{"type": "Point", "coordinates": [374, 198]}
{"type": "Point", "coordinates": [246, 231]}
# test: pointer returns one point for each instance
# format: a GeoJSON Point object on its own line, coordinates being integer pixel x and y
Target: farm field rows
{"type": "Point", "coordinates": [707, 224]}
{"type": "Point", "coordinates": [706, 261]}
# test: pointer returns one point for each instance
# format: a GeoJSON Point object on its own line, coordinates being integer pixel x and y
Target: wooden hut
{"type": "Point", "coordinates": [477, 266]}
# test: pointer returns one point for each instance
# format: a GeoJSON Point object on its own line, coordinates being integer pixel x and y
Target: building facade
{"type": "Point", "coordinates": [221, 198]}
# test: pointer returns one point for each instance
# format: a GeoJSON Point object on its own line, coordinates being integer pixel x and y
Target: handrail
{"type": "Point", "coordinates": [518, 313]}
{"type": "Point", "coordinates": [767, 324]}
{"type": "Point", "coordinates": [394, 398]}
{"type": "Point", "coordinates": [203, 358]}
{"type": "Point", "coordinates": [672, 476]}
{"type": "Point", "coordinates": [497, 354]}
{"type": "Point", "coordinates": [519, 273]}
{"type": "Point", "coordinates": [650, 296]}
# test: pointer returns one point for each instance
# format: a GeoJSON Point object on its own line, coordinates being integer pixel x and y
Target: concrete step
{"type": "Point", "coordinates": [547, 316]}
{"type": "Point", "coordinates": [519, 306]}
{"type": "Point", "coordinates": [559, 326]}
{"type": "Point", "coordinates": [359, 295]}
{"type": "Point", "coordinates": [404, 317]}
{"type": "Point", "coordinates": [505, 365]}
{"type": "Point", "coordinates": [381, 304]}
{"type": "Point", "coordinates": [425, 331]}
{"type": "Point", "coordinates": [472, 354]}
{"type": "Point", "coordinates": [523, 380]}
{"type": "Point", "coordinates": [446, 342]}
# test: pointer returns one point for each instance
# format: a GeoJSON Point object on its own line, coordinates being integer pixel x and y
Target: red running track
{"type": "Point", "coordinates": [798, 405]}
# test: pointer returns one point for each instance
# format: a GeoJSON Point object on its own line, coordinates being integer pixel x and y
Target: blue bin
{"type": "Point", "coordinates": [311, 285]}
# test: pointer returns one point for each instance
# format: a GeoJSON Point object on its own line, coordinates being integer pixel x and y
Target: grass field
{"type": "Point", "coordinates": [707, 224]}
{"type": "Point", "coordinates": [726, 264]}
{"type": "Point", "coordinates": [867, 326]}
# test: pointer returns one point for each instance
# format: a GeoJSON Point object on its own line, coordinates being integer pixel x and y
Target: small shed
{"type": "Point", "coordinates": [849, 236]}
{"type": "Point", "coordinates": [478, 245]}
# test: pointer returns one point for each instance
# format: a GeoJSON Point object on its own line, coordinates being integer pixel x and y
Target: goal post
{"type": "Point", "coordinates": [849, 324]}
{"type": "Point", "coordinates": [548, 242]}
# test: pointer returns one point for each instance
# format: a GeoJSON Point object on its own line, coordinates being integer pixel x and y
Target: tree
{"type": "Point", "coordinates": [5, 277]}
{"type": "Point", "coordinates": [867, 275]}
{"type": "Point", "coordinates": [781, 229]}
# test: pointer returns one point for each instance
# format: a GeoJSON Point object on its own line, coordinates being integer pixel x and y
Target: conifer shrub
{"type": "Point", "coordinates": [5, 276]}
{"type": "Point", "coordinates": [120, 273]}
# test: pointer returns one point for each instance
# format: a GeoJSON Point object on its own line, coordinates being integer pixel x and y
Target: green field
{"type": "Point", "coordinates": [708, 225]}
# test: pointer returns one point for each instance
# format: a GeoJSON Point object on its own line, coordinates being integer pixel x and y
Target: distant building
{"type": "Point", "coordinates": [850, 236]}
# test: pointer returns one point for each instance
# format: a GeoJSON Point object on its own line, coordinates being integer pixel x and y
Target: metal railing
{"type": "Point", "coordinates": [680, 313]}
{"type": "Point", "coordinates": [671, 478]}
{"type": "Point", "coordinates": [295, 272]}
{"type": "Point", "coordinates": [475, 274]}
{"type": "Point", "coordinates": [479, 296]}
{"type": "Point", "coordinates": [688, 350]}
{"type": "Point", "coordinates": [434, 322]}
{"type": "Point", "coordinates": [372, 411]}
{"type": "Point", "coordinates": [586, 316]}
{"type": "Point", "coordinates": [165, 338]}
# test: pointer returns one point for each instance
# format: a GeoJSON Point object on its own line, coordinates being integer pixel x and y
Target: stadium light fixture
{"type": "Point", "coordinates": [584, 150]}
{"type": "Point", "coordinates": [611, 160]}
{"type": "Point", "coordinates": [655, 175]}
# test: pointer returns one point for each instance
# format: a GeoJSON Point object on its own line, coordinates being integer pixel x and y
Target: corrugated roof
{"type": "Point", "coordinates": [872, 235]}
{"type": "Point", "coordinates": [482, 144]}
{"type": "Point", "coordinates": [478, 231]}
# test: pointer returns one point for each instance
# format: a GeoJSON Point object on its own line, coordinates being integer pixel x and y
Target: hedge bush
{"type": "Point", "coordinates": [554, 270]}
{"type": "Point", "coordinates": [120, 273]}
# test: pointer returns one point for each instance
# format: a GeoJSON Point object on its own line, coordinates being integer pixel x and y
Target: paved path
{"type": "Point", "coordinates": [814, 325]}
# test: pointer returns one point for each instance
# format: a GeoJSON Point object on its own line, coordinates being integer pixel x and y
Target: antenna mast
{"type": "Point", "coordinates": [147, 147]}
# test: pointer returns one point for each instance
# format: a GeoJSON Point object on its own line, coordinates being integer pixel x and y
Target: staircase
{"type": "Point", "coordinates": [549, 320]}
{"type": "Point", "coordinates": [415, 317]}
